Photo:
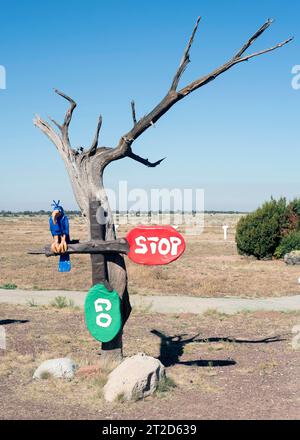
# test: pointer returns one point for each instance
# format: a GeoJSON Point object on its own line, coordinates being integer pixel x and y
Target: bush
{"type": "Point", "coordinates": [59, 302]}
{"type": "Point", "coordinates": [8, 286]}
{"type": "Point", "coordinates": [292, 217]}
{"type": "Point", "coordinates": [260, 232]}
{"type": "Point", "coordinates": [290, 242]}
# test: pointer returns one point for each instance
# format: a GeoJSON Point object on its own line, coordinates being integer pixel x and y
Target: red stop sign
{"type": "Point", "coordinates": [155, 245]}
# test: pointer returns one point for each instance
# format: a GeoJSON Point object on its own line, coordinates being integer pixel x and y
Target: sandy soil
{"type": "Point", "coordinates": [210, 267]}
{"type": "Point", "coordinates": [224, 367]}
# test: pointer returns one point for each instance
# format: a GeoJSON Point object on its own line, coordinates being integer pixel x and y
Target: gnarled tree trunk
{"type": "Point", "coordinates": [86, 167]}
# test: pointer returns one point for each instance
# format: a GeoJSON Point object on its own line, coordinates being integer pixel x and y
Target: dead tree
{"type": "Point", "coordinates": [86, 167]}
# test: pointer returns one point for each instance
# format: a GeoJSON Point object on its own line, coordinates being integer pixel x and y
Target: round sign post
{"type": "Point", "coordinates": [149, 245]}
{"type": "Point", "coordinates": [102, 313]}
{"type": "Point", "coordinates": [155, 245]}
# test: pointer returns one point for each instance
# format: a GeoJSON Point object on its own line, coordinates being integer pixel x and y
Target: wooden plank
{"type": "Point", "coordinates": [119, 246]}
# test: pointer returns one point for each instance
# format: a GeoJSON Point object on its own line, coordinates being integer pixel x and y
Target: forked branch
{"type": "Point", "coordinates": [64, 128]}
{"type": "Point", "coordinates": [185, 59]}
{"type": "Point", "coordinates": [174, 95]}
{"type": "Point", "coordinates": [62, 142]}
{"type": "Point", "coordinates": [133, 112]}
{"type": "Point", "coordinates": [254, 37]}
{"type": "Point", "coordinates": [49, 132]}
{"type": "Point", "coordinates": [92, 150]}
{"type": "Point", "coordinates": [106, 155]}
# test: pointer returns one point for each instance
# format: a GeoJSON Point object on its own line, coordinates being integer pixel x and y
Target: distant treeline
{"type": "Point", "coordinates": [32, 213]}
{"type": "Point", "coordinates": [136, 213]}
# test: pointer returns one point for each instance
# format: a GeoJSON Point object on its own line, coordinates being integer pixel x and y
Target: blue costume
{"type": "Point", "coordinates": [59, 227]}
{"type": "Point", "coordinates": [62, 223]}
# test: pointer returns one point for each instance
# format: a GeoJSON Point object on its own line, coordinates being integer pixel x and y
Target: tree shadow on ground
{"type": "Point", "coordinates": [172, 348]}
{"type": "Point", "coordinates": [13, 321]}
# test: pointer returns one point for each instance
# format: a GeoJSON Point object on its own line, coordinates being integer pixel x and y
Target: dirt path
{"type": "Point", "coordinates": [162, 304]}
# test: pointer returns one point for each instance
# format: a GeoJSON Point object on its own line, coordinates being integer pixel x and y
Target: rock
{"type": "Point", "coordinates": [292, 257]}
{"type": "Point", "coordinates": [135, 378]}
{"type": "Point", "coordinates": [217, 346]}
{"type": "Point", "coordinates": [60, 368]}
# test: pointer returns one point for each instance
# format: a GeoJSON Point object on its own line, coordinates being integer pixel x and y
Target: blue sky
{"type": "Point", "coordinates": [238, 137]}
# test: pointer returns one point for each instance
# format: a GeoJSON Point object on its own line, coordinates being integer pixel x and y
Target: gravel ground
{"type": "Point", "coordinates": [224, 367]}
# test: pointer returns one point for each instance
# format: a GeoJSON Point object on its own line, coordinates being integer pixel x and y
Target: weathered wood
{"type": "Point", "coordinates": [97, 232]}
{"type": "Point", "coordinates": [88, 247]}
{"type": "Point", "coordinates": [113, 350]}
{"type": "Point", "coordinates": [85, 168]}
{"type": "Point", "coordinates": [173, 95]}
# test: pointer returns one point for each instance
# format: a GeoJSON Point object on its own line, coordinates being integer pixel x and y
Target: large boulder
{"type": "Point", "coordinates": [292, 257]}
{"type": "Point", "coordinates": [135, 378]}
{"type": "Point", "coordinates": [61, 368]}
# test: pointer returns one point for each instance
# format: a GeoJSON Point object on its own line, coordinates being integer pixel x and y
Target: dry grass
{"type": "Point", "coordinates": [209, 267]}
{"type": "Point", "coordinates": [261, 382]}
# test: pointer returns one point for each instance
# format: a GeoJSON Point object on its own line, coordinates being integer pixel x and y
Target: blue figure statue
{"type": "Point", "coordinates": [59, 228]}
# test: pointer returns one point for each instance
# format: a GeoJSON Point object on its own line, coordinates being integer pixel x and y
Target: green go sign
{"type": "Point", "coordinates": [102, 313]}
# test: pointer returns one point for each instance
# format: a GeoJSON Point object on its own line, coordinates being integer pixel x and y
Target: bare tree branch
{"type": "Point", "coordinates": [143, 161]}
{"type": "Point", "coordinates": [94, 145]}
{"type": "Point", "coordinates": [185, 59]}
{"type": "Point", "coordinates": [270, 49]}
{"type": "Point", "coordinates": [55, 123]}
{"type": "Point", "coordinates": [213, 75]}
{"type": "Point", "coordinates": [174, 96]}
{"type": "Point", "coordinates": [254, 37]}
{"type": "Point", "coordinates": [86, 172]}
{"type": "Point", "coordinates": [69, 112]}
{"type": "Point", "coordinates": [133, 111]}
{"type": "Point", "coordinates": [64, 128]}
{"type": "Point", "coordinates": [123, 149]}
{"type": "Point", "coordinates": [49, 132]}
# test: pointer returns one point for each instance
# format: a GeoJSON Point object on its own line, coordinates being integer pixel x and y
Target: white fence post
{"type": "Point", "coordinates": [225, 228]}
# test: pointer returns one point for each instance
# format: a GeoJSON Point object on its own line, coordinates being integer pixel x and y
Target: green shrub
{"type": "Point", "coordinates": [292, 217]}
{"type": "Point", "coordinates": [295, 206]}
{"type": "Point", "coordinates": [164, 385]}
{"type": "Point", "coordinates": [9, 286]}
{"type": "Point", "coordinates": [31, 303]}
{"type": "Point", "coordinates": [59, 302]}
{"type": "Point", "coordinates": [260, 232]}
{"type": "Point", "coordinates": [290, 242]}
